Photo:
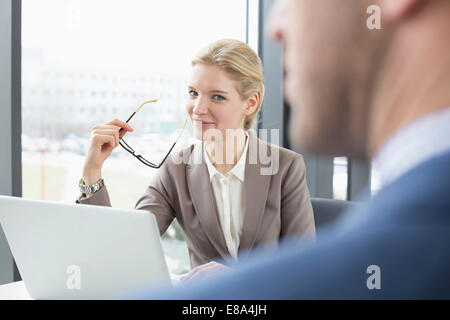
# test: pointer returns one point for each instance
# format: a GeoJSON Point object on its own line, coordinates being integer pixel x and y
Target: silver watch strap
{"type": "Point", "coordinates": [90, 189]}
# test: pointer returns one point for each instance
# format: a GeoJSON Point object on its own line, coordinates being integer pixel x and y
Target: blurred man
{"type": "Point", "coordinates": [380, 94]}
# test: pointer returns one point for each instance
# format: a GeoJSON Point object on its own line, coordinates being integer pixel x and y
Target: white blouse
{"type": "Point", "coordinates": [228, 192]}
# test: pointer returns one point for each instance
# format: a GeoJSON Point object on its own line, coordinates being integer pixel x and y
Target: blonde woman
{"type": "Point", "coordinates": [225, 208]}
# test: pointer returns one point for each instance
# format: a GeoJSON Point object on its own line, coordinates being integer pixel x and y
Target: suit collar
{"type": "Point", "coordinates": [203, 199]}
{"type": "Point", "coordinates": [413, 144]}
{"type": "Point", "coordinates": [256, 188]}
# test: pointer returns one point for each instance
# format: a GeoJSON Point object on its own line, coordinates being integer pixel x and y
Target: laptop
{"type": "Point", "coordinates": [75, 251]}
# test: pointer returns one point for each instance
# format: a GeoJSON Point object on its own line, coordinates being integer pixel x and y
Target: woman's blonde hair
{"type": "Point", "coordinates": [242, 64]}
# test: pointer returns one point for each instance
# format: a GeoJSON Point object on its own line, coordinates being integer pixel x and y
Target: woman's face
{"type": "Point", "coordinates": [213, 101]}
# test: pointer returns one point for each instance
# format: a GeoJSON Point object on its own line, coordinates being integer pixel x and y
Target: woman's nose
{"type": "Point", "coordinates": [200, 107]}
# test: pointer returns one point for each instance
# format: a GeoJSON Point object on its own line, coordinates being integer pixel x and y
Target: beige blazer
{"type": "Point", "coordinates": [275, 205]}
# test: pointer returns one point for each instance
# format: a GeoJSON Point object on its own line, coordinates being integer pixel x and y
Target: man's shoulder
{"type": "Point", "coordinates": [346, 267]}
{"type": "Point", "coordinates": [424, 187]}
{"type": "Point", "coordinates": [402, 235]}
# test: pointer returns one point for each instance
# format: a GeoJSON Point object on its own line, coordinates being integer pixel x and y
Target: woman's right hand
{"type": "Point", "coordinates": [104, 139]}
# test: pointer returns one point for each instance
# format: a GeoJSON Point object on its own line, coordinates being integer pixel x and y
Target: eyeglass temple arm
{"type": "Point", "coordinates": [132, 115]}
{"type": "Point", "coordinates": [173, 145]}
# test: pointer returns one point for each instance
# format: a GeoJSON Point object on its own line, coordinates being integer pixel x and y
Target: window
{"type": "Point", "coordinates": [375, 184]}
{"type": "Point", "coordinates": [74, 52]}
{"type": "Point", "coordinates": [340, 178]}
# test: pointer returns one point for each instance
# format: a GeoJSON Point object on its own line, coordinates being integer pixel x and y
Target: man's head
{"type": "Point", "coordinates": [335, 67]}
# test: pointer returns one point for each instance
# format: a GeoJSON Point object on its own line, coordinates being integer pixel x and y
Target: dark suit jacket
{"type": "Point", "coordinates": [404, 230]}
{"type": "Point", "coordinates": [275, 205]}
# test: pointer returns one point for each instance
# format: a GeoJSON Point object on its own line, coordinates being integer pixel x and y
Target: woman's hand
{"type": "Point", "coordinates": [104, 139]}
{"type": "Point", "coordinates": [204, 270]}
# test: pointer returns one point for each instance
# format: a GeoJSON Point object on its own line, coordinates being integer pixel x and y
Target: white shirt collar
{"type": "Point", "coordinates": [238, 170]}
{"type": "Point", "coordinates": [416, 143]}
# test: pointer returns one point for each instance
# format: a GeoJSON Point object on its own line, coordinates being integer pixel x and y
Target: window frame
{"type": "Point", "coordinates": [11, 120]}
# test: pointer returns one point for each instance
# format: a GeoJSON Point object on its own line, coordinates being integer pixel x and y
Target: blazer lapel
{"type": "Point", "coordinates": [202, 196]}
{"type": "Point", "coordinates": [256, 188]}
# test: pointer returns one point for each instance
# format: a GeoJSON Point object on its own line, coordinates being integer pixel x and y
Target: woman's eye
{"type": "Point", "coordinates": [193, 93]}
{"type": "Point", "coordinates": [218, 97]}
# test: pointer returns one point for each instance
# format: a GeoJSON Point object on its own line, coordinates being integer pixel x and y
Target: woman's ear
{"type": "Point", "coordinates": [251, 104]}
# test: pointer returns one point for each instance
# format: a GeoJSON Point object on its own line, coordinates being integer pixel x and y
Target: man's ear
{"type": "Point", "coordinates": [394, 10]}
{"type": "Point", "coordinates": [251, 104]}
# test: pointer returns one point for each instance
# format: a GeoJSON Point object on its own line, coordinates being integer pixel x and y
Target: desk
{"type": "Point", "coordinates": [17, 291]}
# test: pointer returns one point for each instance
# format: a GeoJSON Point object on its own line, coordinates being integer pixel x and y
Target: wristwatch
{"type": "Point", "coordinates": [93, 188]}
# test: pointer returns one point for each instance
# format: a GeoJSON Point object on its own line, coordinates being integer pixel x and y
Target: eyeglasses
{"type": "Point", "coordinates": [138, 156]}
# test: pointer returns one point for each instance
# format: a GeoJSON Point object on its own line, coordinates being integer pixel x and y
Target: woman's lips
{"type": "Point", "coordinates": [202, 124]}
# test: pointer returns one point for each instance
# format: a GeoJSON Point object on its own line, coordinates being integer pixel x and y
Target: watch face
{"type": "Point", "coordinates": [85, 189]}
